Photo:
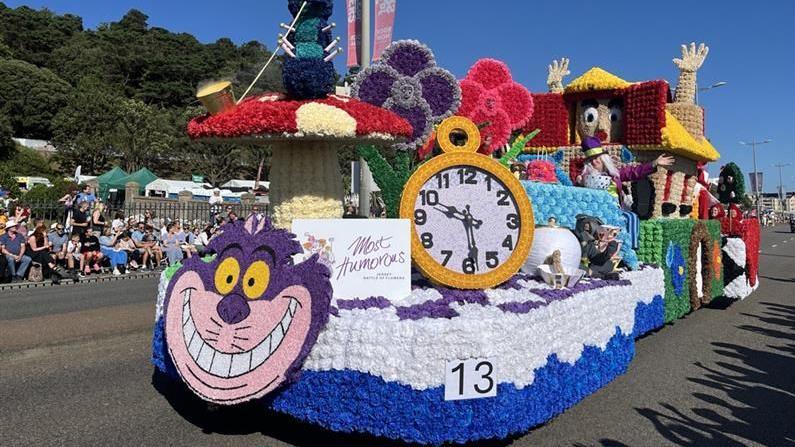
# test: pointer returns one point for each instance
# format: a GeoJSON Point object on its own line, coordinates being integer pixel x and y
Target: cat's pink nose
{"type": "Point", "coordinates": [233, 309]}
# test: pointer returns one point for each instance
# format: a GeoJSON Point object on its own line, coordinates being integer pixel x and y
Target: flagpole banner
{"type": "Point", "coordinates": [354, 38]}
{"type": "Point", "coordinates": [384, 24]}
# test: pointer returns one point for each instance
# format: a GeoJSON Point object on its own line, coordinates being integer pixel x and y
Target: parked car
{"type": "Point", "coordinates": [792, 223]}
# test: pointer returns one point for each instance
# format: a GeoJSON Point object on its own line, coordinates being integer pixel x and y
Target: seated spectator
{"type": "Point", "coordinates": [12, 246]}
{"type": "Point", "coordinates": [118, 225]}
{"type": "Point", "coordinates": [164, 229]}
{"type": "Point", "coordinates": [3, 220]}
{"type": "Point", "coordinates": [58, 241]}
{"type": "Point", "coordinates": [90, 249]}
{"type": "Point", "coordinates": [147, 244]}
{"type": "Point", "coordinates": [5, 275]}
{"type": "Point", "coordinates": [126, 243]}
{"type": "Point", "coordinates": [73, 249]}
{"type": "Point", "coordinates": [21, 213]}
{"type": "Point", "coordinates": [114, 254]}
{"type": "Point", "coordinates": [22, 230]}
{"type": "Point", "coordinates": [39, 253]}
{"type": "Point", "coordinates": [81, 218]}
{"type": "Point", "coordinates": [203, 239]}
{"type": "Point", "coordinates": [173, 244]}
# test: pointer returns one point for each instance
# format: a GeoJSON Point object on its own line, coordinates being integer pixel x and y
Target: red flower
{"type": "Point", "coordinates": [266, 116]}
{"type": "Point", "coordinates": [489, 94]}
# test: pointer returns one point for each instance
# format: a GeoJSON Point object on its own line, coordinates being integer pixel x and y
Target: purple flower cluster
{"type": "Point", "coordinates": [407, 81]}
{"type": "Point", "coordinates": [440, 308]}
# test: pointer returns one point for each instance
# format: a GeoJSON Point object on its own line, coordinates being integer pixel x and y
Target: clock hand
{"type": "Point", "coordinates": [450, 212]}
{"type": "Point", "coordinates": [469, 225]}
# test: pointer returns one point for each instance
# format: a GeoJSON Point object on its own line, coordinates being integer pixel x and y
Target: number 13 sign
{"type": "Point", "coordinates": [469, 379]}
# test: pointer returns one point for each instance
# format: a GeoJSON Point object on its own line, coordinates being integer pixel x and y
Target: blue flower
{"type": "Point", "coordinates": [676, 263]}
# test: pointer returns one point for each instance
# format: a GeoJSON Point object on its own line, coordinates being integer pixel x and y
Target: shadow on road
{"type": "Point", "coordinates": [762, 253]}
{"type": "Point", "coordinates": [777, 279]}
{"type": "Point", "coordinates": [755, 388]}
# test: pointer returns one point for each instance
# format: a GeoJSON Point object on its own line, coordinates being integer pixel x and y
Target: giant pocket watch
{"type": "Point", "coordinates": [472, 221]}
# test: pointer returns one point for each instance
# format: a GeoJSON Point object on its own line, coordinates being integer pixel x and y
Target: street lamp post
{"type": "Point", "coordinates": [753, 145]}
{"type": "Point", "coordinates": [704, 89]}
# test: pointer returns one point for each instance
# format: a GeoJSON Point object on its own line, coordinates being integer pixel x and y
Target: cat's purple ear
{"type": "Point", "coordinates": [264, 225]}
{"type": "Point", "coordinates": [251, 224]}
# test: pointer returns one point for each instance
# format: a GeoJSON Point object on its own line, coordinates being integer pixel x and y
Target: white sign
{"type": "Point", "coordinates": [367, 257]}
{"type": "Point", "coordinates": [469, 379]}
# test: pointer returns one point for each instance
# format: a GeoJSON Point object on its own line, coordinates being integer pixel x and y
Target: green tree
{"type": "Point", "coordinates": [26, 161]}
{"type": "Point", "coordinates": [83, 129]}
{"type": "Point", "coordinates": [33, 35]}
{"type": "Point", "coordinates": [7, 145]}
{"type": "Point", "coordinates": [83, 56]}
{"type": "Point", "coordinates": [8, 183]}
{"type": "Point", "coordinates": [5, 52]}
{"type": "Point", "coordinates": [217, 162]}
{"type": "Point", "coordinates": [142, 135]}
{"type": "Point", "coordinates": [30, 97]}
{"type": "Point", "coordinates": [49, 194]}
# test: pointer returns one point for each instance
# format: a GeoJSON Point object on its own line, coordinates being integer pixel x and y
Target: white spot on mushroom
{"type": "Point", "coordinates": [322, 119]}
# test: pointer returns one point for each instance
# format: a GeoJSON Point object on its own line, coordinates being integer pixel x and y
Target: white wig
{"type": "Point", "coordinates": [609, 166]}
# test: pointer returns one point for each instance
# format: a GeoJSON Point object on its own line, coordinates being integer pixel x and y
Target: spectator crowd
{"type": "Point", "coordinates": [88, 241]}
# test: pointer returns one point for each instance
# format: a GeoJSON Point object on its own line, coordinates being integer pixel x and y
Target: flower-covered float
{"type": "Point", "coordinates": [248, 322]}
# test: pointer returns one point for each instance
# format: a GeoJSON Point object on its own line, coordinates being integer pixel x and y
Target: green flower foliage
{"type": "Point", "coordinates": [516, 147]}
{"type": "Point", "coordinates": [390, 179]}
{"type": "Point", "coordinates": [731, 181]}
{"type": "Point", "coordinates": [655, 236]}
{"type": "Point", "coordinates": [713, 226]}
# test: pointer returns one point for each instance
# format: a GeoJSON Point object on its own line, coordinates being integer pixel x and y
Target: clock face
{"type": "Point", "coordinates": [467, 219]}
{"type": "Point", "coordinates": [472, 220]}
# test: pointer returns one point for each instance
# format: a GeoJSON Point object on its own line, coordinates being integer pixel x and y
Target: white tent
{"type": "Point", "coordinates": [171, 188]}
{"type": "Point", "coordinates": [244, 184]}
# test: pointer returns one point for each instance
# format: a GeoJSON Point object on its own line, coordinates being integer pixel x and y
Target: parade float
{"type": "Point", "coordinates": [527, 293]}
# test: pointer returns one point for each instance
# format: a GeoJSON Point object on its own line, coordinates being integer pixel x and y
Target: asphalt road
{"type": "Point", "coordinates": [74, 370]}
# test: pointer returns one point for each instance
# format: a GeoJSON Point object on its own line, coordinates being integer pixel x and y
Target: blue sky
{"type": "Point", "coordinates": [632, 39]}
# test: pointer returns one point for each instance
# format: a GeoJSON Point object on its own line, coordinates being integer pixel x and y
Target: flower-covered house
{"type": "Point", "coordinates": [635, 122]}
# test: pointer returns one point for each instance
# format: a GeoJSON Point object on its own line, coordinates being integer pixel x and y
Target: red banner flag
{"type": "Point", "coordinates": [384, 23]}
{"type": "Point", "coordinates": [354, 39]}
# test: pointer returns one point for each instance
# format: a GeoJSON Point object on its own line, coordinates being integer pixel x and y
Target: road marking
{"type": "Point", "coordinates": [774, 245]}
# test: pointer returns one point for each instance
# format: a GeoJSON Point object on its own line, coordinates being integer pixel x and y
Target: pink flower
{"type": "Point", "coordinates": [541, 171]}
{"type": "Point", "coordinates": [489, 94]}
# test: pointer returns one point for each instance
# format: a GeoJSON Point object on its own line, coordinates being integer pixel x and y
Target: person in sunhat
{"type": "Point", "coordinates": [599, 171]}
{"type": "Point", "coordinates": [12, 247]}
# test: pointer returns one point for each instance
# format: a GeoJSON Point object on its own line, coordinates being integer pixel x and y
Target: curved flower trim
{"type": "Point", "coordinates": [407, 81]}
{"type": "Point", "coordinates": [489, 94]}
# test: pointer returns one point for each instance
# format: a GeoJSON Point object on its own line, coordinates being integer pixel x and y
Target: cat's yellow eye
{"type": "Point", "coordinates": [256, 280]}
{"type": "Point", "coordinates": [226, 275]}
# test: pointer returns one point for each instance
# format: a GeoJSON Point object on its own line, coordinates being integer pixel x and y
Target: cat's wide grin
{"type": "Point", "coordinates": [225, 364]}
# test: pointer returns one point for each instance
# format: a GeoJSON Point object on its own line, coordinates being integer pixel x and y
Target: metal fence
{"type": "Point", "coordinates": [191, 213]}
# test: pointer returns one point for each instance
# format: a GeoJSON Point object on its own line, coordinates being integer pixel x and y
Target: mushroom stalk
{"type": "Point", "coordinates": [305, 182]}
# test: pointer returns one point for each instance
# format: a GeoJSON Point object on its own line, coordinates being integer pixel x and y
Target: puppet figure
{"type": "Point", "coordinates": [599, 171]}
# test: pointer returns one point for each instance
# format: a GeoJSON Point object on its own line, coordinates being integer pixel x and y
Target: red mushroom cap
{"type": "Point", "coordinates": [273, 117]}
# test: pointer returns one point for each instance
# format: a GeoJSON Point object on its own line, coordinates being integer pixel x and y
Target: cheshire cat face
{"type": "Point", "coordinates": [239, 326]}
